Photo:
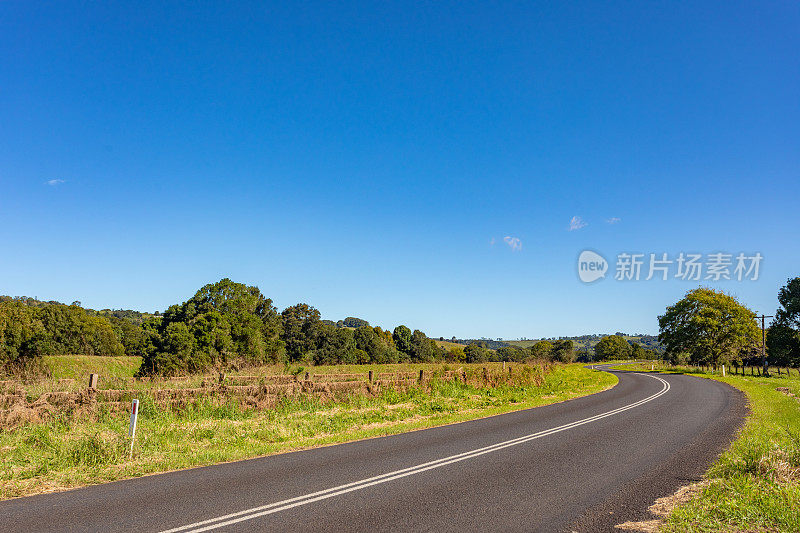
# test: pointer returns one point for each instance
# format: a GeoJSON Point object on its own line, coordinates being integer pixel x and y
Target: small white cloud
{"type": "Point", "coordinates": [55, 182]}
{"type": "Point", "coordinates": [613, 220]}
{"type": "Point", "coordinates": [491, 241]}
{"type": "Point", "coordinates": [577, 223]}
{"type": "Point", "coordinates": [514, 243]}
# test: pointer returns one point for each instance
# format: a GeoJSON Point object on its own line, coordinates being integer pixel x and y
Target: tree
{"type": "Point", "coordinates": [612, 347]}
{"type": "Point", "coordinates": [476, 353]}
{"type": "Point", "coordinates": [542, 350]}
{"type": "Point", "coordinates": [299, 324]}
{"type": "Point", "coordinates": [177, 352]}
{"type": "Point", "coordinates": [226, 320]}
{"type": "Point", "coordinates": [402, 339]}
{"type": "Point", "coordinates": [423, 349]}
{"type": "Point", "coordinates": [367, 339]}
{"type": "Point", "coordinates": [511, 353]}
{"type": "Point", "coordinates": [709, 326]}
{"type": "Point", "coordinates": [456, 355]}
{"type": "Point", "coordinates": [564, 351]}
{"type": "Point", "coordinates": [334, 345]}
{"type": "Point", "coordinates": [353, 322]}
{"type": "Point", "coordinates": [783, 337]}
{"type": "Point", "coordinates": [638, 352]}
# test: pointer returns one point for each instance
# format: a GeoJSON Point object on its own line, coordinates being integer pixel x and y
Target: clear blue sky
{"type": "Point", "coordinates": [363, 157]}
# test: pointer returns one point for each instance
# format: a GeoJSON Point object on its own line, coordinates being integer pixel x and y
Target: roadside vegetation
{"type": "Point", "coordinates": [755, 484]}
{"type": "Point", "coordinates": [68, 451]}
{"type": "Point", "coordinates": [78, 367]}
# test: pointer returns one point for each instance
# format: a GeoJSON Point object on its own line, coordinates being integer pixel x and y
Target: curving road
{"type": "Point", "coordinates": [581, 465]}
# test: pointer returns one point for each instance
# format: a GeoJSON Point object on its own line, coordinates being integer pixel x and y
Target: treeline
{"type": "Point", "coordinates": [227, 323]}
{"type": "Point", "coordinates": [29, 328]}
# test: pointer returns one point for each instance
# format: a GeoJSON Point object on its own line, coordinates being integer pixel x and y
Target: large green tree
{"type": "Point", "coordinates": [711, 327]}
{"type": "Point", "coordinates": [221, 322]}
{"type": "Point", "coordinates": [612, 347]}
{"type": "Point", "coordinates": [783, 337]}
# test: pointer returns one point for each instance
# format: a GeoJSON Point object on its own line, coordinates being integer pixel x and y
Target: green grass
{"type": "Point", "coordinates": [78, 367]}
{"type": "Point", "coordinates": [65, 452]}
{"type": "Point", "coordinates": [755, 484]}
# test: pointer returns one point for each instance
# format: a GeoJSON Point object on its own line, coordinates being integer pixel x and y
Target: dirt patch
{"type": "Point", "coordinates": [787, 392]}
{"type": "Point", "coordinates": [663, 507]}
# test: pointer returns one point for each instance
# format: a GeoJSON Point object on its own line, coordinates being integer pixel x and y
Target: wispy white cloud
{"type": "Point", "coordinates": [55, 182]}
{"type": "Point", "coordinates": [491, 241]}
{"type": "Point", "coordinates": [514, 243]}
{"type": "Point", "coordinates": [577, 223]}
{"type": "Point", "coordinates": [613, 220]}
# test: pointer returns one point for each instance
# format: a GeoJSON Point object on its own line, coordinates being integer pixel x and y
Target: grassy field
{"type": "Point", "coordinates": [63, 453]}
{"type": "Point", "coordinates": [755, 485]}
{"type": "Point", "coordinates": [78, 367]}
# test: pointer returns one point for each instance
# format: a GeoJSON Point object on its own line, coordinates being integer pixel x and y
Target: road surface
{"type": "Point", "coordinates": [581, 465]}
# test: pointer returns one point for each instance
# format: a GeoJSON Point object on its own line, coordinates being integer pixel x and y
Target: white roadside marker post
{"type": "Point", "coordinates": [723, 371]}
{"type": "Point", "coordinates": [132, 428]}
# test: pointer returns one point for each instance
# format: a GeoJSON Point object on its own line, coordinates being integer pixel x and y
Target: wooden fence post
{"type": "Point", "coordinates": [93, 378]}
{"type": "Point", "coordinates": [421, 375]}
{"type": "Point", "coordinates": [370, 376]}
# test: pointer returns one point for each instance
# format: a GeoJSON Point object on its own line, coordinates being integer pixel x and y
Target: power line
{"type": "Point", "coordinates": [764, 344]}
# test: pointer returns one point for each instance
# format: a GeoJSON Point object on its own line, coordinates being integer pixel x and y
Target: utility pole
{"type": "Point", "coordinates": [764, 344]}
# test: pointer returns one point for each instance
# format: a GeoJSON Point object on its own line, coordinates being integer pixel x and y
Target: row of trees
{"type": "Point", "coordinates": [29, 329]}
{"type": "Point", "coordinates": [228, 321]}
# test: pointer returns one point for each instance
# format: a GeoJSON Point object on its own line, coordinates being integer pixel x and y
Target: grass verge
{"type": "Point", "coordinates": [755, 484]}
{"type": "Point", "coordinates": [64, 453]}
{"type": "Point", "coordinates": [80, 366]}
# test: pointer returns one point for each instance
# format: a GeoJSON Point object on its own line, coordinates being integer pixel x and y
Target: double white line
{"type": "Point", "coordinates": [255, 512]}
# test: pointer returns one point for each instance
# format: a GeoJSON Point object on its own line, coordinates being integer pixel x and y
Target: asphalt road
{"type": "Point", "coordinates": [581, 465]}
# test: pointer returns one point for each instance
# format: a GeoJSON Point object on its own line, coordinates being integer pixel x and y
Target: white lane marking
{"type": "Point", "coordinates": [255, 512]}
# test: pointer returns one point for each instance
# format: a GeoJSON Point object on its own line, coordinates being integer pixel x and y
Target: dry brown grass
{"type": "Point", "coordinates": [662, 508]}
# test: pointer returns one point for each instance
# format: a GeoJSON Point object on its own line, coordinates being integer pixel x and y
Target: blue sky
{"type": "Point", "coordinates": [363, 158]}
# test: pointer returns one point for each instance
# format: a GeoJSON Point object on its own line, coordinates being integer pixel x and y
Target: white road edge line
{"type": "Point", "coordinates": [255, 512]}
